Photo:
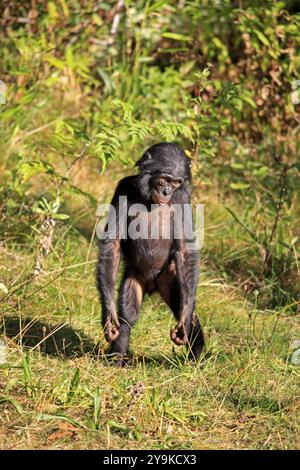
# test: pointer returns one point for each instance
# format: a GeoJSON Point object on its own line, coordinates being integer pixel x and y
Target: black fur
{"type": "Point", "coordinates": [163, 265]}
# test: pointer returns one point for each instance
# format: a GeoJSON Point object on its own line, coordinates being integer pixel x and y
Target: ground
{"type": "Point", "coordinates": [57, 392]}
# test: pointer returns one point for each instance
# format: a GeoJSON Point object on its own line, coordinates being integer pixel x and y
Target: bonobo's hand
{"type": "Point", "coordinates": [111, 328]}
{"type": "Point", "coordinates": [178, 334]}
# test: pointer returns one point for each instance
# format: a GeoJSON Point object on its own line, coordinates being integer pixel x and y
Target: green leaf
{"type": "Point", "coordinates": [38, 210]}
{"type": "Point", "coordinates": [29, 169]}
{"type": "Point", "coordinates": [157, 6]}
{"type": "Point", "coordinates": [61, 127]}
{"type": "Point", "coordinates": [61, 216]}
{"type": "Point", "coordinates": [187, 67]}
{"type": "Point", "coordinates": [70, 58]}
{"type": "Point", "coordinates": [242, 224]}
{"type": "Point", "coordinates": [118, 428]}
{"type": "Point", "coordinates": [58, 63]}
{"type": "Point", "coordinates": [108, 84]}
{"type": "Point", "coordinates": [52, 11]}
{"type": "Point", "coordinates": [12, 401]}
{"type": "Point", "coordinates": [262, 37]}
{"type": "Point", "coordinates": [49, 417]}
{"type": "Point", "coordinates": [65, 8]}
{"type": "Point", "coordinates": [261, 172]}
{"type": "Point", "coordinates": [176, 36]}
{"type": "Point", "coordinates": [239, 186]}
{"type": "Point", "coordinates": [74, 384]}
{"type": "Point", "coordinates": [237, 166]}
{"type": "Point", "coordinates": [97, 406]}
{"type": "Point", "coordinates": [249, 100]}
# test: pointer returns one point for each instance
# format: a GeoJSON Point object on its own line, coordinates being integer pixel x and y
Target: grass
{"type": "Point", "coordinates": [57, 392]}
{"type": "Point", "coordinates": [56, 389]}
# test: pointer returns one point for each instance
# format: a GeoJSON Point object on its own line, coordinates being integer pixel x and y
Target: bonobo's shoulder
{"type": "Point", "coordinates": [125, 183]}
{"type": "Point", "coordinates": [125, 187]}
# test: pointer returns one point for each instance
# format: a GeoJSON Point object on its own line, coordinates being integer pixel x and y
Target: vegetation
{"type": "Point", "coordinates": [87, 86]}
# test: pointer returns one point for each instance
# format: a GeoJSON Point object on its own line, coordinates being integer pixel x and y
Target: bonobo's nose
{"type": "Point", "coordinates": [167, 191]}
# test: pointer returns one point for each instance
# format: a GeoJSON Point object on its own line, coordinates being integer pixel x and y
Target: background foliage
{"type": "Point", "coordinates": [91, 84]}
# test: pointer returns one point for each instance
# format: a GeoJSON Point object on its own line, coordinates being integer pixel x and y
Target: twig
{"type": "Point", "coordinates": [81, 155]}
{"type": "Point", "coordinates": [30, 295]}
{"type": "Point", "coordinates": [117, 18]}
{"type": "Point", "coordinates": [115, 23]}
{"type": "Point", "coordinates": [55, 330]}
{"type": "Point", "coordinates": [32, 278]}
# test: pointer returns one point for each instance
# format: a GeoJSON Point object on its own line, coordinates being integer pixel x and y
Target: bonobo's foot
{"type": "Point", "coordinates": [196, 342]}
{"type": "Point", "coordinates": [116, 359]}
{"type": "Point", "coordinates": [194, 353]}
{"type": "Point", "coordinates": [178, 334]}
{"type": "Point", "coordinates": [115, 355]}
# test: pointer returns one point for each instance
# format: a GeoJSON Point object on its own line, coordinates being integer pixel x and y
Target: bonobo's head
{"type": "Point", "coordinates": [164, 168]}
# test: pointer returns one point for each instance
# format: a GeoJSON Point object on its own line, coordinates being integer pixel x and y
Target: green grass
{"type": "Point", "coordinates": [57, 392]}
{"type": "Point", "coordinates": [225, 96]}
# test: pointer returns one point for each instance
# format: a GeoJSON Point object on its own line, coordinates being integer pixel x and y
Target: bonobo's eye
{"type": "Point", "coordinates": [163, 181]}
{"type": "Point", "coordinates": [177, 183]}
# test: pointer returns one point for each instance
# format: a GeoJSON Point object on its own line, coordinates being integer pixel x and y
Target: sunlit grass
{"type": "Point", "coordinates": [58, 392]}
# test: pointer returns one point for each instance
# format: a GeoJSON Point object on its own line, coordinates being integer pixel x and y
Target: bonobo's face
{"type": "Point", "coordinates": [162, 187]}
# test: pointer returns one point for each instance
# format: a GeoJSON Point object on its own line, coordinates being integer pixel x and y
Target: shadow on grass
{"type": "Point", "coordinates": [60, 340]}
{"type": "Point", "coordinates": [54, 340]}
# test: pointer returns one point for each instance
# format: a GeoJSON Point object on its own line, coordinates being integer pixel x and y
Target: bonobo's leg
{"type": "Point", "coordinates": [130, 298]}
{"type": "Point", "coordinates": [168, 286]}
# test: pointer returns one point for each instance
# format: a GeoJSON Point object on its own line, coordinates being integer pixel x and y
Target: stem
{"type": "Point", "coordinates": [276, 220]}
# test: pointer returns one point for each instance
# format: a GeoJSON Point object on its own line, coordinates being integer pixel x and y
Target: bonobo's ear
{"type": "Point", "coordinates": [144, 161]}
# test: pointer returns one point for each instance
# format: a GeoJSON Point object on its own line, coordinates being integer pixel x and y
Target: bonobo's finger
{"type": "Point", "coordinates": [178, 336]}
{"type": "Point", "coordinates": [115, 320]}
{"type": "Point", "coordinates": [178, 341]}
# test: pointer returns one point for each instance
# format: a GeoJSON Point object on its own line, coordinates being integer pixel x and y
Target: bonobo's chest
{"type": "Point", "coordinates": [149, 238]}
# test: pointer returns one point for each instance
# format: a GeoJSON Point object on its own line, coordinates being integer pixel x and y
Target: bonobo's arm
{"type": "Point", "coordinates": [107, 267]}
{"type": "Point", "coordinates": [187, 268]}
{"type": "Point", "coordinates": [108, 263]}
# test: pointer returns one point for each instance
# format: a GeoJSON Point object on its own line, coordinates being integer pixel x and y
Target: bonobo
{"type": "Point", "coordinates": [158, 260]}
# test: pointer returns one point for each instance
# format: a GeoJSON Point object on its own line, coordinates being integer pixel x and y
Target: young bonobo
{"type": "Point", "coordinates": [152, 263]}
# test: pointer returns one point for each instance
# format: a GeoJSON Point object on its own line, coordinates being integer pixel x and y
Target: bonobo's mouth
{"type": "Point", "coordinates": [157, 198]}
